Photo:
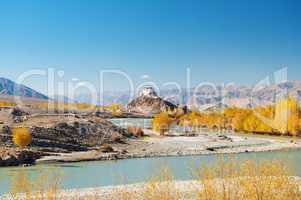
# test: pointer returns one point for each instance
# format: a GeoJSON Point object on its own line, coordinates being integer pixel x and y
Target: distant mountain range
{"type": "Point", "coordinates": [233, 95]}
{"type": "Point", "coordinates": [10, 88]}
{"type": "Point", "coordinates": [245, 96]}
{"type": "Point", "coordinates": [205, 96]}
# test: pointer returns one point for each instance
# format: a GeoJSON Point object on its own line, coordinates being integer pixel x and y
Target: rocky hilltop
{"type": "Point", "coordinates": [149, 103]}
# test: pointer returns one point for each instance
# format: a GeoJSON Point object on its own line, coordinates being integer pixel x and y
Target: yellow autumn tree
{"type": "Point", "coordinates": [287, 115]}
{"type": "Point", "coordinates": [253, 124]}
{"type": "Point", "coordinates": [115, 107]}
{"type": "Point", "coordinates": [238, 117]}
{"type": "Point", "coordinates": [281, 118]}
{"type": "Point", "coordinates": [21, 137]}
{"type": "Point", "coordinates": [192, 119]}
{"type": "Point", "coordinates": [162, 123]}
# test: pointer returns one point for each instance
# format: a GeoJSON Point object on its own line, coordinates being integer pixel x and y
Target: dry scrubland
{"type": "Point", "coordinates": [280, 119]}
{"type": "Point", "coordinates": [226, 180]}
{"type": "Point", "coordinates": [7, 104]}
{"type": "Point", "coordinates": [45, 105]}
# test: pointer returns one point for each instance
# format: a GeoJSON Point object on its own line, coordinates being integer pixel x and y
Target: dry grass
{"type": "Point", "coordinates": [227, 180]}
{"type": "Point", "coordinates": [7, 104]}
{"type": "Point", "coordinates": [159, 187]}
{"type": "Point", "coordinates": [233, 180]}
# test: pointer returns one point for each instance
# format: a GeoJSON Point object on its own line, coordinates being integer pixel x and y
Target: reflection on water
{"type": "Point", "coordinates": [102, 173]}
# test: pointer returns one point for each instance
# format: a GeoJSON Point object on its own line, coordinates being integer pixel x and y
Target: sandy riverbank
{"type": "Point", "coordinates": [202, 144]}
{"type": "Point", "coordinates": [185, 190]}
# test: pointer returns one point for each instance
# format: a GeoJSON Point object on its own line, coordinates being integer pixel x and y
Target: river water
{"type": "Point", "coordinates": [126, 122]}
{"type": "Point", "coordinates": [104, 173]}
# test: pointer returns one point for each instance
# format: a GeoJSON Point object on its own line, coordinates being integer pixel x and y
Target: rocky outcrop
{"type": "Point", "coordinates": [149, 103]}
{"type": "Point", "coordinates": [13, 157]}
{"type": "Point", "coordinates": [18, 112]}
{"type": "Point", "coordinates": [77, 135]}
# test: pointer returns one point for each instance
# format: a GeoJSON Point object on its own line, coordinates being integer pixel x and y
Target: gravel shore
{"type": "Point", "coordinates": [203, 144]}
{"type": "Point", "coordinates": [185, 190]}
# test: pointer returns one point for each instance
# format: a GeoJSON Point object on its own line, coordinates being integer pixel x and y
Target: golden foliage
{"type": "Point", "coordinates": [60, 106]}
{"type": "Point", "coordinates": [287, 116]}
{"type": "Point", "coordinates": [161, 186]}
{"type": "Point", "coordinates": [249, 179]}
{"type": "Point", "coordinates": [21, 137]}
{"type": "Point", "coordinates": [55, 106]}
{"type": "Point", "coordinates": [114, 108]}
{"type": "Point", "coordinates": [209, 120]}
{"type": "Point", "coordinates": [282, 118]}
{"type": "Point", "coordinates": [7, 104]}
{"type": "Point", "coordinates": [162, 122]}
{"type": "Point", "coordinates": [191, 119]}
{"type": "Point", "coordinates": [235, 117]}
{"type": "Point", "coordinates": [175, 113]}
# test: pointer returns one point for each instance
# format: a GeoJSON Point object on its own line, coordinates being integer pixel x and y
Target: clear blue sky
{"type": "Point", "coordinates": [220, 40]}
